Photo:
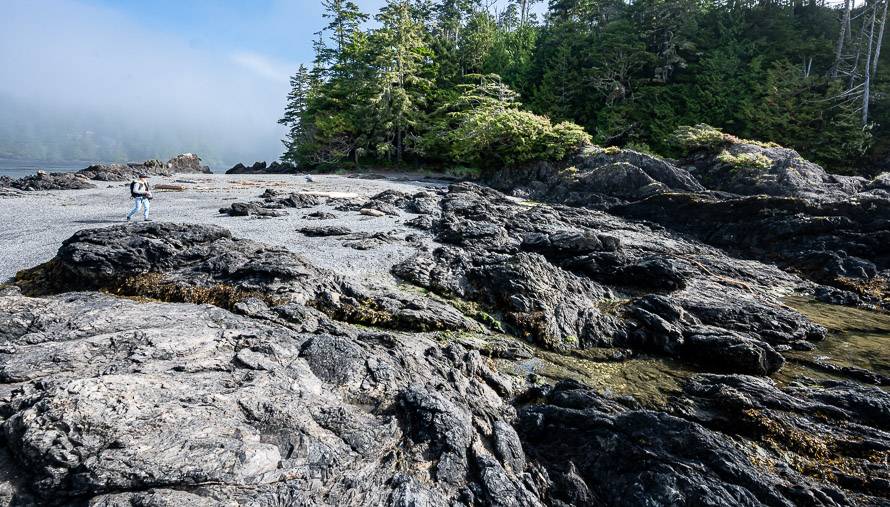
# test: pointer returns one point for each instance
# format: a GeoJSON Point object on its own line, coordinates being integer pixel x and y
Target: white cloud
{"type": "Point", "coordinates": [263, 66]}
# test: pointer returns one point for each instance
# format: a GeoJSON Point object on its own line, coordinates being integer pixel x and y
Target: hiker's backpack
{"type": "Point", "coordinates": [133, 189]}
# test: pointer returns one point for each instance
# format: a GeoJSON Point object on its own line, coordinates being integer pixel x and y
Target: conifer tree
{"type": "Point", "coordinates": [294, 114]}
{"type": "Point", "coordinates": [403, 79]}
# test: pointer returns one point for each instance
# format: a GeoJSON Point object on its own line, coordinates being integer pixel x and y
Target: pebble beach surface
{"type": "Point", "coordinates": [34, 224]}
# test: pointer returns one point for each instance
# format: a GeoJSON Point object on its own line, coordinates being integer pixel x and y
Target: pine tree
{"type": "Point", "coordinates": [293, 118]}
{"type": "Point", "coordinates": [403, 79]}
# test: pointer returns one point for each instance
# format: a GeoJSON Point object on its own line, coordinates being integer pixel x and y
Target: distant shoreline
{"type": "Point", "coordinates": [17, 168]}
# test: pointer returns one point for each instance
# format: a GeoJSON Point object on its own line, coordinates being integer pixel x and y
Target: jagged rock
{"type": "Point", "coordinates": [117, 402]}
{"type": "Point", "coordinates": [562, 278]}
{"type": "Point", "coordinates": [185, 163]}
{"type": "Point", "coordinates": [369, 241]}
{"type": "Point", "coordinates": [605, 450]}
{"type": "Point", "coordinates": [596, 178]}
{"type": "Point", "coordinates": [761, 201]}
{"type": "Point", "coordinates": [290, 385]}
{"type": "Point", "coordinates": [834, 242]}
{"type": "Point", "coordinates": [296, 200]}
{"type": "Point", "coordinates": [6, 190]}
{"type": "Point", "coordinates": [320, 215]}
{"type": "Point", "coordinates": [244, 209]}
{"type": "Point", "coordinates": [423, 222]}
{"type": "Point", "coordinates": [273, 204]}
{"type": "Point", "coordinates": [263, 168]}
{"type": "Point", "coordinates": [748, 168]}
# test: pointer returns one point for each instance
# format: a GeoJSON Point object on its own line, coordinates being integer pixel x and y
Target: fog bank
{"type": "Point", "coordinates": [87, 83]}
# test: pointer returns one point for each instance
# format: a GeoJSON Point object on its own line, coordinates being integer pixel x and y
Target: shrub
{"type": "Point", "coordinates": [745, 160]}
{"type": "Point", "coordinates": [699, 137]}
{"type": "Point", "coordinates": [485, 127]}
{"type": "Point", "coordinates": [507, 137]}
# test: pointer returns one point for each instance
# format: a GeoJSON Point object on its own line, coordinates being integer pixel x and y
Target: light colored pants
{"type": "Point", "coordinates": [137, 202]}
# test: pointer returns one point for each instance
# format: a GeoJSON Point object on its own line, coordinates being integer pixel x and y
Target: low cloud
{"type": "Point", "coordinates": [77, 73]}
{"type": "Point", "coordinates": [263, 66]}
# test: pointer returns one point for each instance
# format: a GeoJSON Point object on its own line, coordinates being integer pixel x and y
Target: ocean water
{"type": "Point", "coordinates": [16, 168]}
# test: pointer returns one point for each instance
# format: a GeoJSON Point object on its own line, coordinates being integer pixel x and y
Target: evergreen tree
{"type": "Point", "coordinates": [803, 74]}
{"type": "Point", "coordinates": [403, 79]}
{"type": "Point", "coordinates": [294, 113]}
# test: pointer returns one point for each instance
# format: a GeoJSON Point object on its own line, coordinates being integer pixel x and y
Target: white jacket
{"type": "Point", "coordinates": [139, 189]}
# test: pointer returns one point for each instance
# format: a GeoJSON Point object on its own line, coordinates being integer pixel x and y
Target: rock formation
{"type": "Point", "coordinates": [185, 163]}
{"type": "Point", "coordinates": [48, 181]}
{"type": "Point", "coordinates": [167, 364]}
{"type": "Point", "coordinates": [235, 373]}
{"type": "Point", "coordinates": [264, 168]}
{"type": "Point", "coordinates": [752, 200]}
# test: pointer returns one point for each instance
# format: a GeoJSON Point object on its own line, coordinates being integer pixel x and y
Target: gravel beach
{"type": "Point", "coordinates": [33, 226]}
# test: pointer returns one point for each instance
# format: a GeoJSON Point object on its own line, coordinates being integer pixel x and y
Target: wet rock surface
{"type": "Point", "coordinates": [166, 364]}
{"type": "Point", "coordinates": [734, 440]}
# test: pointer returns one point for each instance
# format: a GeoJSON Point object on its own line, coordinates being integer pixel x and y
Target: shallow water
{"type": "Point", "coordinates": [857, 338]}
{"type": "Point", "coordinates": [16, 168]}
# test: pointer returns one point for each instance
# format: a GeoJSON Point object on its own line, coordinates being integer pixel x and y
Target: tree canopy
{"type": "Point", "coordinates": [454, 81]}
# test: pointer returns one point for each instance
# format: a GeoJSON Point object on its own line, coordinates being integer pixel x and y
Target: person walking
{"type": "Point", "coordinates": [141, 193]}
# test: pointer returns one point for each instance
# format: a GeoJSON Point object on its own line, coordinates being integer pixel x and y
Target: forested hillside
{"type": "Point", "coordinates": [461, 82]}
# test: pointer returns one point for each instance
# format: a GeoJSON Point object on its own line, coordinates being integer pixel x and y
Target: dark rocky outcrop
{"type": "Point", "coordinates": [325, 230]}
{"type": "Point", "coordinates": [205, 264]}
{"type": "Point", "coordinates": [263, 168]}
{"type": "Point", "coordinates": [235, 373]}
{"type": "Point", "coordinates": [246, 209]}
{"type": "Point", "coordinates": [597, 178]}
{"type": "Point", "coordinates": [274, 204]}
{"type": "Point", "coordinates": [185, 163]}
{"type": "Point", "coordinates": [48, 181]}
{"type": "Point", "coordinates": [729, 443]}
{"type": "Point", "coordinates": [567, 278]}
{"type": "Point", "coordinates": [198, 406]}
{"type": "Point", "coordinates": [750, 199]}
{"type": "Point", "coordinates": [835, 242]}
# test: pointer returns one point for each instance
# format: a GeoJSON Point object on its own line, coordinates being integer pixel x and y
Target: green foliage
{"type": "Point", "coordinates": [445, 80]}
{"type": "Point", "coordinates": [755, 161]}
{"type": "Point", "coordinates": [699, 137]}
{"type": "Point", "coordinates": [484, 126]}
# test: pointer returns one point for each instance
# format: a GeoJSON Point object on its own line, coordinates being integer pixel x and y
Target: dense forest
{"type": "Point", "coordinates": [462, 82]}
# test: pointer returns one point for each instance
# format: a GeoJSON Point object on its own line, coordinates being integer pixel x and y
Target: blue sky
{"type": "Point", "coordinates": [279, 29]}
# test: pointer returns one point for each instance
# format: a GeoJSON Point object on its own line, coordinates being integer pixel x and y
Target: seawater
{"type": "Point", "coordinates": [16, 168]}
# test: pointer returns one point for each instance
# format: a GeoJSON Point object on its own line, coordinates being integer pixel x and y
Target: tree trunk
{"type": "Point", "coordinates": [855, 67]}
{"type": "Point", "coordinates": [868, 56]}
{"type": "Point", "coordinates": [839, 50]}
{"type": "Point", "coordinates": [874, 66]}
